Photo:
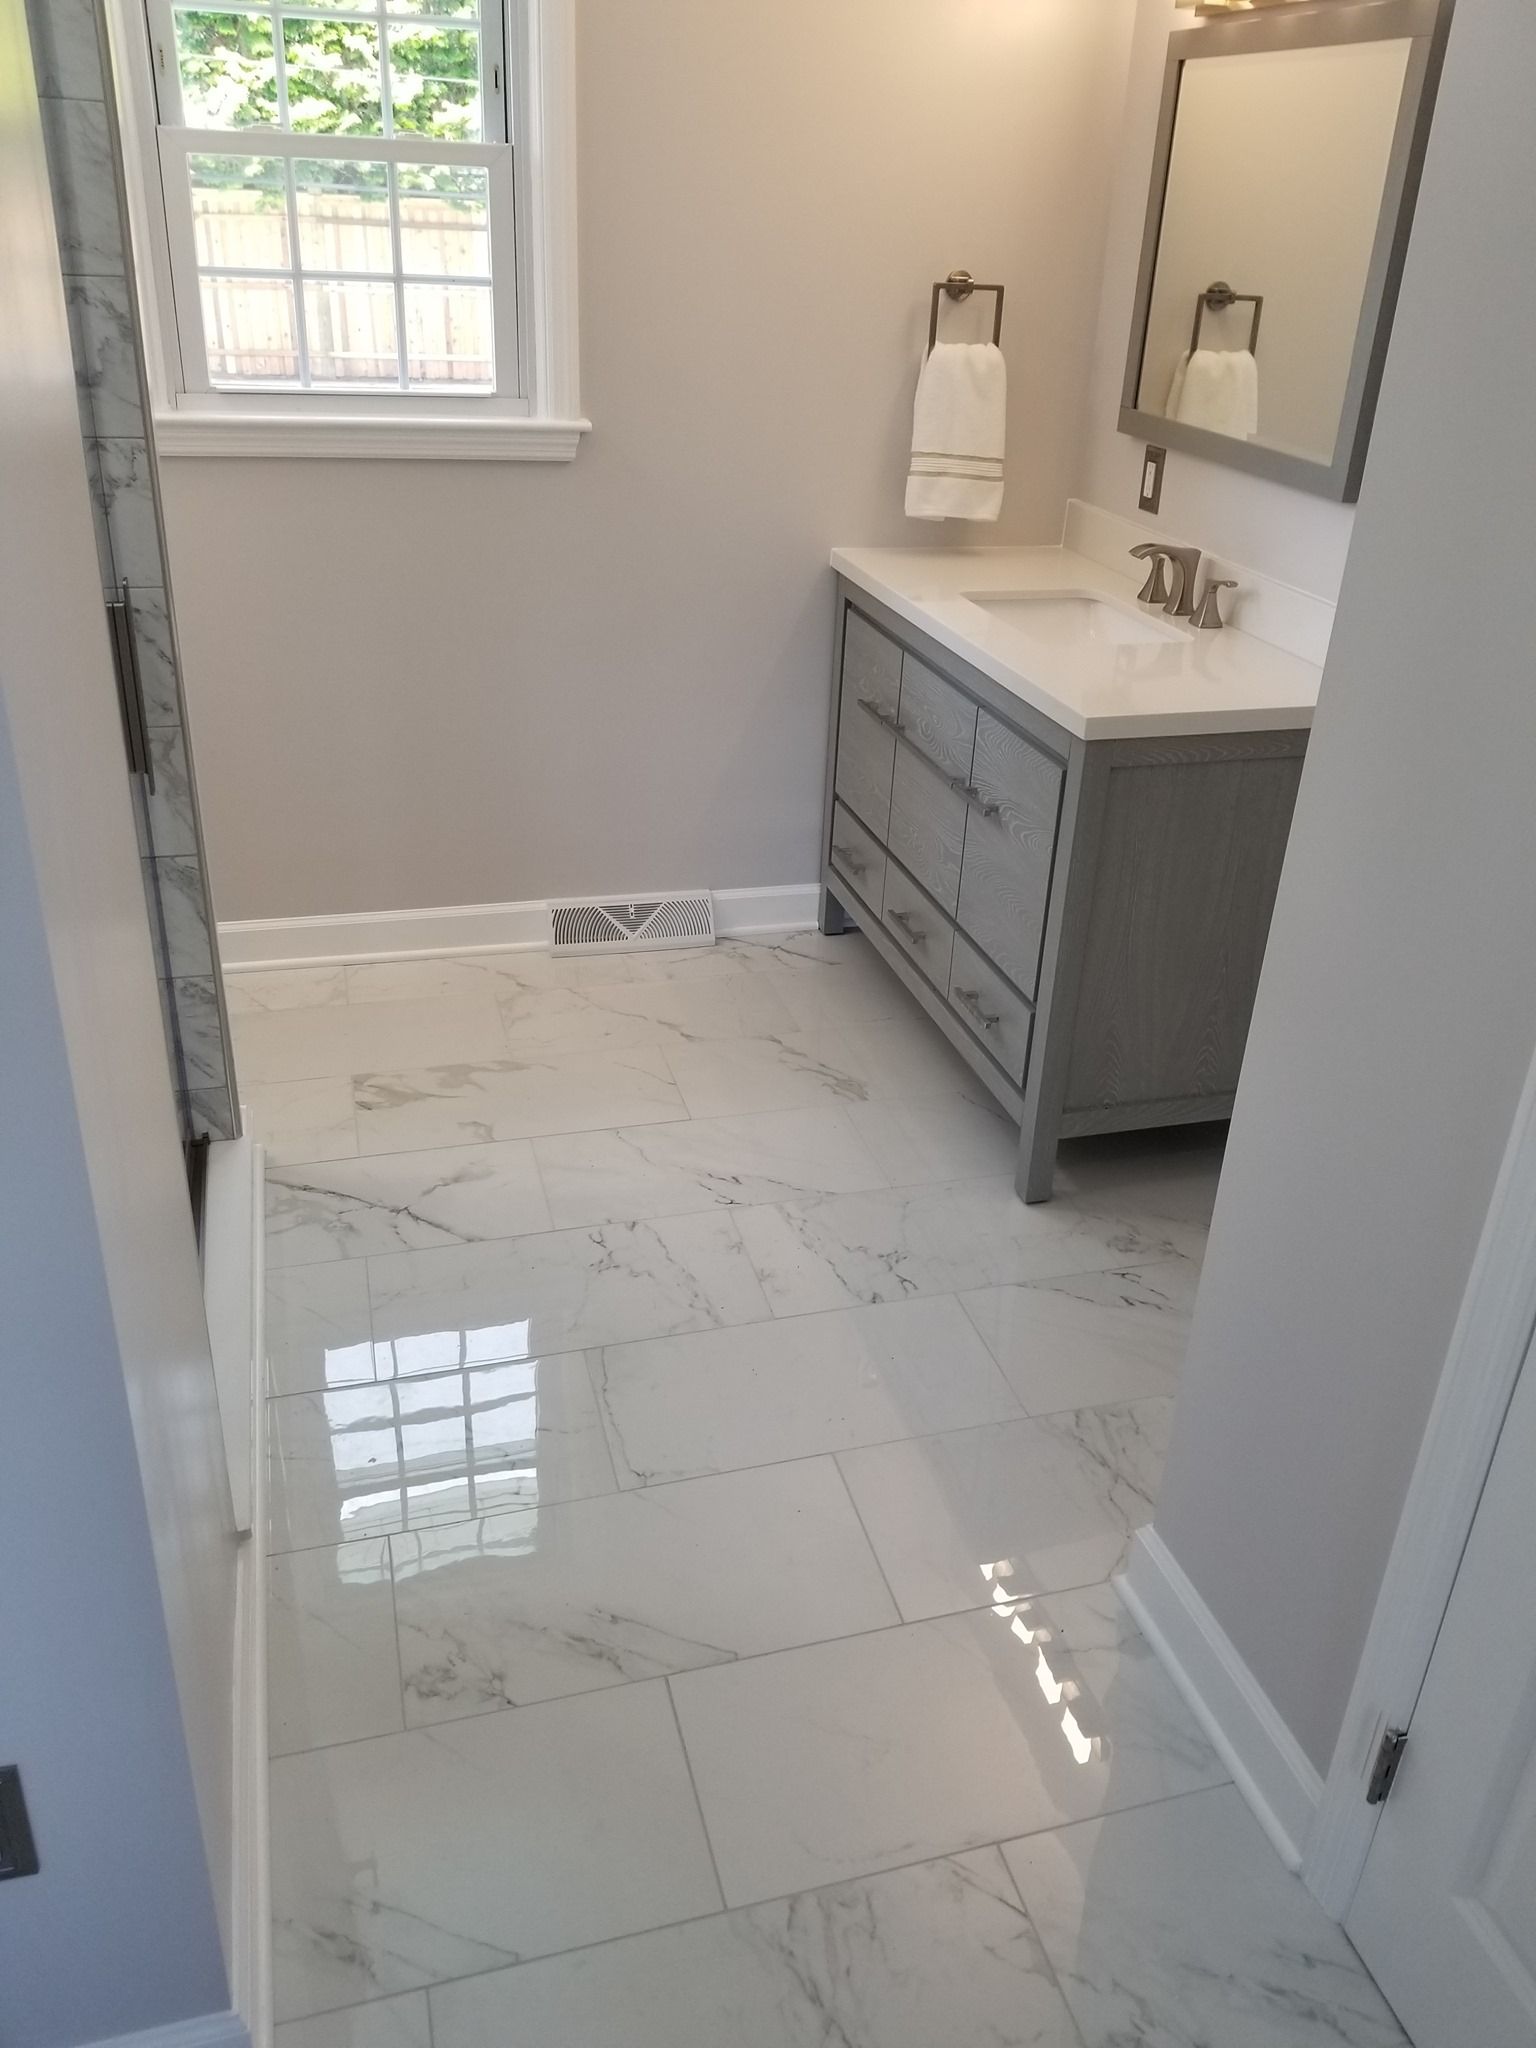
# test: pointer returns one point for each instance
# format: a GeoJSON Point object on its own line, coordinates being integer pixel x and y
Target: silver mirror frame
{"type": "Point", "coordinates": [1294, 27]}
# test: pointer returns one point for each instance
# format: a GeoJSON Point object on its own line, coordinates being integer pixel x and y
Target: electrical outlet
{"type": "Point", "coordinates": [18, 1852]}
{"type": "Point", "coordinates": [1152, 479]}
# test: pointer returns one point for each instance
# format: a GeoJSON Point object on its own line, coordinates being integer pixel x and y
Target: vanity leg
{"type": "Point", "coordinates": [1036, 1173]}
{"type": "Point", "coordinates": [831, 918]}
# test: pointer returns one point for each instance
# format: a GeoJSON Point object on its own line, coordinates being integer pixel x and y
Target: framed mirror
{"type": "Point", "coordinates": [1287, 161]}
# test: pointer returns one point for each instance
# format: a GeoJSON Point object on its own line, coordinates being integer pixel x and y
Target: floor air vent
{"type": "Point", "coordinates": [592, 926]}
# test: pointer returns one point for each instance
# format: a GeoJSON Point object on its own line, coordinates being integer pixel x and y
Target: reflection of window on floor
{"type": "Point", "coordinates": [411, 1451]}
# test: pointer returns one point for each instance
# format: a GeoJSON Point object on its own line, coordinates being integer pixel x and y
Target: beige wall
{"type": "Point", "coordinates": [1397, 1011]}
{"type": "Point", "coordinates": [424, 684]}
{"type": "Point", "coordinates": [1291, 535]}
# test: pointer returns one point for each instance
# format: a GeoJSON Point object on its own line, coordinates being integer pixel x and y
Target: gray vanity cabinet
{"type": "Point", "coordinates": [1085, 920]}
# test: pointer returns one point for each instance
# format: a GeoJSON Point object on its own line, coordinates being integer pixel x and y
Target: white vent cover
{"type": "Point", "coordinates": [593, 924]}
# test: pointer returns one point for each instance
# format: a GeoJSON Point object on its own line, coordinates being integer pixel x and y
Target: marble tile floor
{"type": "Point", "coordinates": [695, 1485]}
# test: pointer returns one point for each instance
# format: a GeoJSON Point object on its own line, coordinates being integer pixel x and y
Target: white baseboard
{"type": "Point", "coordinates": [1267, 1763]}
{"type": "Point", "coordinates": [208, 2030]}
{"type": "Point", "coordinates": [472, 928]}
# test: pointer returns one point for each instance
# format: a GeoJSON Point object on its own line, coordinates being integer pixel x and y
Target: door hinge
{"type": "Point", "coordinates": [1384, 1770]}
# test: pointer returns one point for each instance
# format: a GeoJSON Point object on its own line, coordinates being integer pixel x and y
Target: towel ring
{"type": "Point", "coordinates": [1216, 298]}
{"type": "Point", "coordinates": [957, 286]}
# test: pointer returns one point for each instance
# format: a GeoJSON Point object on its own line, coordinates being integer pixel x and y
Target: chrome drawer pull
{"type": "Point", "coordinates": [974, 796]}
{"type": "Point", "coordinates": [970, 999]}
{"type": "Point", "coordinates": [908, 926]}
{"type": "Point", "coordinates": [850, 859]}
{"type": "Point", "coordinates": [881, 716]}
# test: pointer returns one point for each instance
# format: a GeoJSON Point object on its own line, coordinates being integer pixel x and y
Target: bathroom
{"type": "Point", "coordinates": [867, 1470]}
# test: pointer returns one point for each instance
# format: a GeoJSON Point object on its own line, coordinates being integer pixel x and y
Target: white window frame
{"type": "Point", "coordinates": [541, 422]}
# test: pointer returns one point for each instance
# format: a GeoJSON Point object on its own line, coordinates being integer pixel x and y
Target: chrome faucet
{"type": "Point", "coordinates": [1154, 590]}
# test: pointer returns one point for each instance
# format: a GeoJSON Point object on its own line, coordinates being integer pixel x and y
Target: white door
{"type": "Point", "coordinates": [1445, 1916]}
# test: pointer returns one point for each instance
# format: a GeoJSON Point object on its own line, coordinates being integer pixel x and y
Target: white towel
{"type": "Point", "coordinates": [1216, 388]}
{"type": "Point", "coordinates": [959, 424]}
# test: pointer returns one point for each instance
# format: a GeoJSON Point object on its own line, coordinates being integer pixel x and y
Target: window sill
{"type": "Point", "coordinates": [188, 433]}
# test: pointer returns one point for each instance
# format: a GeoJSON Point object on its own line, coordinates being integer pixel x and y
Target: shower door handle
{"type": "Point", "coordinates": [130, 688]}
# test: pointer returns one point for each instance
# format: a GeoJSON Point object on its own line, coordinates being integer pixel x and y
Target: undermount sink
{"type": "Point", "coordinates": [1066, 618]}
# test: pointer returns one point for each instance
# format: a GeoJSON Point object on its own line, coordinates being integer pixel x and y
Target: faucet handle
{"type": "Point", "coordinates": [1208, 618]}
{"type": "Point", "coordinates": [1155, 589]}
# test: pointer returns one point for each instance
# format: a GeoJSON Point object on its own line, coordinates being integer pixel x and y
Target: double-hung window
{"type": "Point", "coordinates": [342, 216]}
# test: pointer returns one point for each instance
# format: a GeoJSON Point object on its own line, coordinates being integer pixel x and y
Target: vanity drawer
{"type": "Point", "coordinates": [927, 827]}
{"type": "Point", "coordinates": [866, 721]}
{"type": "Point", "coordinates": [994, 1013]}
{"type": "Point", "coordinates": [937, 720]}
{"type": "Point", "coordinates": [917, 927]}
{"type": "Point", "coordinates": [857, 856]}
{"type": "Point", "coordinates": [1010, 839]}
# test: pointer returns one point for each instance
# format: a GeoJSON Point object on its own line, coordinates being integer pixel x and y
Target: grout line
{"type": "Point", "coordinates": [868, 1539]}
{"type": "Point", "coordinates": [682, 1743]}
{"type": "Point", "coordinates": [866, 1877]}
{"type": "Point", "coordinates": [885, 1628]}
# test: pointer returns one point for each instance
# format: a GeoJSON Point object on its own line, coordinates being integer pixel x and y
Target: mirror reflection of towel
{"type": "Point", "coordinates": [1216, 388]}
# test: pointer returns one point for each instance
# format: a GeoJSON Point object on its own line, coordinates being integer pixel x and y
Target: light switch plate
{"type": "Point", "coordinates": [1151, 479]}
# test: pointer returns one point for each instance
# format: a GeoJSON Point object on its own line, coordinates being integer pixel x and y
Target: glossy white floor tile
{"type": "Point", "coordinates": [833, 1251]}
{"type": "Point", "coordinates": [402, 1201]}
{"type": "Point", "coordinates": [561, 1600]}
{"type": "Point", "coordinates": [399, 2022]}
{"type": "Point", "coordinates": [523, 1097]}
{"type": "Point", "coordinates": [333, 1672]}
{"type": "Point", "coordinates": [411, 1452]}
{"type": "Point", "coordinates": [937, 1956]}
{"type": "Point", "coordinates": [955, 1138]}
{"type": "Point", "coordinates": [723, 1162]}
{"type": "Point", "coordinates": [678, 1422]}
{"type": "Point", "coordinates": [319, 1328]}
{"type": "Point", "coordinates": [923, 1741]}
{"type": "Point", "coordinates": [1089, 1338]}
{"type": "Point", "coordinates": [1014, 1508]}
{"type": "Point", "coordinates": [1178, 1927]}
{"type": "Point", "coordinates": [415, 1858]}
{"type": "Point", "coordinates": [300, 1119]}
{"type": "Point", "coordinates": [726, 1399]}
{"type": "Point", "coordinates": [283, 988]}
{"type": "Point", "coordinates": [565, 1289]}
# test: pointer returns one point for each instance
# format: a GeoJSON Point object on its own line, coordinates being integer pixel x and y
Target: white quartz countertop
{"type": "Point", "coordinates": [1187, 682]}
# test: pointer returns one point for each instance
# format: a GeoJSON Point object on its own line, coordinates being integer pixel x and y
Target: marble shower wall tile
{"type": "Point", "coordinates": [212, 1113]}
{"type": "Point", "coordinates": [416, 1858]}
{"type": "Point", "coordinates": [202, 1035]}
{"type": "Point", "coordinates": [402, 1201]}
{"type": "Point", "coordinates": [922, 1741]}
{"type": "Point", "coordinates": [601, 1592]}
{"type": "Point", "coordinates": [727, 1163]}
{"type": "Point", "coordinates": [567, 1289]}
{"type": "Point", "coordinates": [84, 188]}
{"type": "Point", "coordinates": [940, 1953]}
{"type": "Point", "coordinates": [727, 1399]}
{"type": "Point", "coordinates": [172, 820]}
{"type": "Point", "coordinates": [1179, 1924]}
{"type": "Point", "coordinates": [833, 1251]}
{"type": "Point", "coordinates": [106, 353]}
{"type": "Point", "coordinates": [184, 905]}
{"type": "Point", "coordinates": [66, 53]}
{"type": "Point", "coordinates": [123, 477]}
{"type": "Point", "coordinates": [157, 656]}
{"type": "Point", "coordinates": [1017, 1508]}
